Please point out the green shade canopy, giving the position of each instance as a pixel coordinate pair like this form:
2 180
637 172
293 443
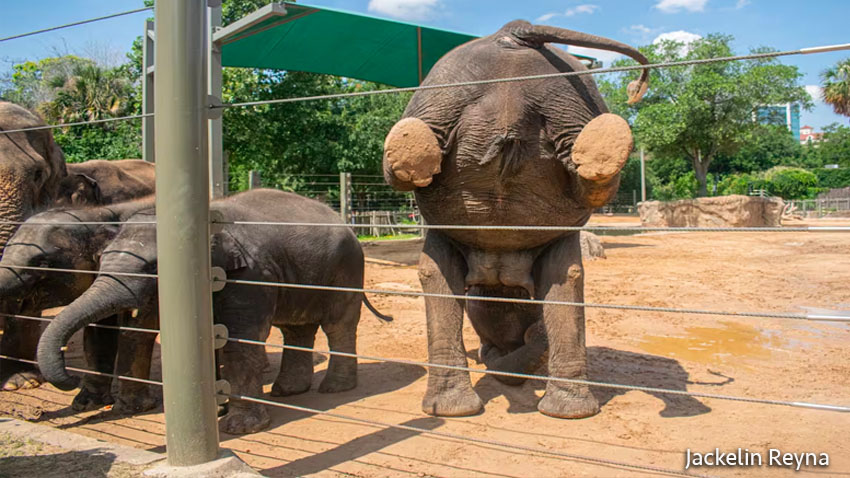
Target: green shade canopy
301 37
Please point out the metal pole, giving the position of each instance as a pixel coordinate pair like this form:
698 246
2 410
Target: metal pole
183 233
345 197
216 157
148 92
254 179
642 176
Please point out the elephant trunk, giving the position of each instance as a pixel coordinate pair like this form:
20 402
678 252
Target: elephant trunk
599 153
14 207
106 296
11 285
537 35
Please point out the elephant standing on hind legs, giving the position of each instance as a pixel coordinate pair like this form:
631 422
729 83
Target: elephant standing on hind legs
544 152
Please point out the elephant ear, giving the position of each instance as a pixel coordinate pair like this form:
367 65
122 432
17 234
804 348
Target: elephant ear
79 190
227 252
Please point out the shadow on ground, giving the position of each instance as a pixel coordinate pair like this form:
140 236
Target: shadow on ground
616 367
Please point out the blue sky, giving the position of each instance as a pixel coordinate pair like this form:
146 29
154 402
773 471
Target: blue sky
779 24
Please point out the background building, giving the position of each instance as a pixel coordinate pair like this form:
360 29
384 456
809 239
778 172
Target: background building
787 114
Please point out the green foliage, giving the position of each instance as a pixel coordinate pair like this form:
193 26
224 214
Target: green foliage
762 147
695 113
833 178
791 183
836 87
119 140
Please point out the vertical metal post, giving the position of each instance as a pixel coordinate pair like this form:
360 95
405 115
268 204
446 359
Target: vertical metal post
216 157
345 197
148 92
254 179
183 233
642 176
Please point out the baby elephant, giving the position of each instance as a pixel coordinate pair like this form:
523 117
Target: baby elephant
290 254
63 239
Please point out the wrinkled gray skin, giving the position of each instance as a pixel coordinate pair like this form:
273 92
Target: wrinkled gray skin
505 157
44 241
307 255
34 178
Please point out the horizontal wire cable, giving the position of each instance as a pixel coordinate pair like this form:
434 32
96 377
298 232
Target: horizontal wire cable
68 25
94 325
69 223
81 271
78 123
551 228
618 386
89 372
642 308
753 56
462 438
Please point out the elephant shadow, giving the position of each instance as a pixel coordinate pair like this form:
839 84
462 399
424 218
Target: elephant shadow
372 379
616 367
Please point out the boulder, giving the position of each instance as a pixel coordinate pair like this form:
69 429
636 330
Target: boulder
591 246
721 211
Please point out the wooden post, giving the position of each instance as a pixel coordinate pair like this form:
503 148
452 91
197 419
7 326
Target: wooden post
254 179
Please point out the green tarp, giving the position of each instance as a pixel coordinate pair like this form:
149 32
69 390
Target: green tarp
322 40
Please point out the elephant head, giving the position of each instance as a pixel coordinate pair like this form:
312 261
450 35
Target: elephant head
132 250
532 151
31 167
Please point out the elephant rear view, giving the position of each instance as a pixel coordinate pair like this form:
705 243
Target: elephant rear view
325 256
541 152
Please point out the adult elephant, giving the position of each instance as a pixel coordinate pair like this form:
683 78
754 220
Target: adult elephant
33 178
543 152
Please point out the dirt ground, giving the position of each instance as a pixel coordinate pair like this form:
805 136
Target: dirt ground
747 357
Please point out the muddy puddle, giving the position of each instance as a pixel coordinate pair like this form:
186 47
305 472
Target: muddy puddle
716 345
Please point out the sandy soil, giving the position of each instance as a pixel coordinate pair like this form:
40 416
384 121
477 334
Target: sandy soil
747 357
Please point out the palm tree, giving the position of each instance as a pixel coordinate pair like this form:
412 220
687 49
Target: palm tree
89 93
836 87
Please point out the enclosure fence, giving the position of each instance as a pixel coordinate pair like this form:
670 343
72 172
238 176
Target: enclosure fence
187 280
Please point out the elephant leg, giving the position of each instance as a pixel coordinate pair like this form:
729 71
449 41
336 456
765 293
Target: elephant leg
242 367
442 270
559 276
342 337
247 312
100 346
20 340
526 359
134 360
296 367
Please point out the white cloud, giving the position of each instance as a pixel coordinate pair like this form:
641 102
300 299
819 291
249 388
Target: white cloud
405 9
675 6
585 8
603 55
815 92
642 29
545 17
681 36
742 3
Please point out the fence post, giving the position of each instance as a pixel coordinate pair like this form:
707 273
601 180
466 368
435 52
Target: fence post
254 179
345 197
147 92
183 233
642 176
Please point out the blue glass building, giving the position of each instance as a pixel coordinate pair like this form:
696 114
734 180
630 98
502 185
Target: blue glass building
787 114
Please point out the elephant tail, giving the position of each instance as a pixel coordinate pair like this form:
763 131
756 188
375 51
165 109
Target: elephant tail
372 309
536 35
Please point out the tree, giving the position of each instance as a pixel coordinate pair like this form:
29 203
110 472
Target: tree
699 112
836 87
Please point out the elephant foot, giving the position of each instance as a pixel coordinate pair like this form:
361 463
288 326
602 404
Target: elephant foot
87 400
454 402
412 154
572 402
135 403
338 383
244 419
23 381
283 388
